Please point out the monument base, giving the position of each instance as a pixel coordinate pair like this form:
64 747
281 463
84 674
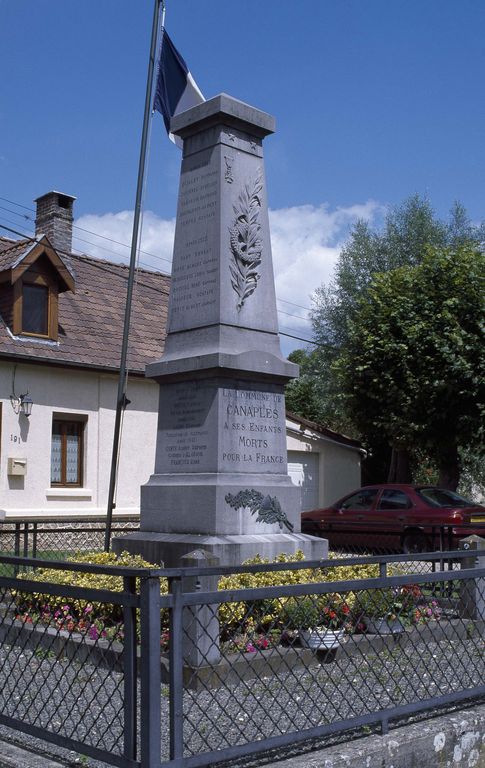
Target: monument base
167 549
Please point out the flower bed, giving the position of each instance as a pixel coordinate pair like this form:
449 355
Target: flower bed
236 664
247 627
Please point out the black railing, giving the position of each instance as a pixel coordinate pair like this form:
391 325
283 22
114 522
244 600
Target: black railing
371 537
190 667
56 540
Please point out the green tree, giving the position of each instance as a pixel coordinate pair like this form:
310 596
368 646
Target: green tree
413 366
301 395
407 231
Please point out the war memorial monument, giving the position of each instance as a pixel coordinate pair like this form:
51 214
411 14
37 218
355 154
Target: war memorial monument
220 481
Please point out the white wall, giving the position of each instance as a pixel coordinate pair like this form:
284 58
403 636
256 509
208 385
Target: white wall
341 471
339 466
78 392
93 395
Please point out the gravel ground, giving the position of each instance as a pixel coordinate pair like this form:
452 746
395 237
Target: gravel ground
85 702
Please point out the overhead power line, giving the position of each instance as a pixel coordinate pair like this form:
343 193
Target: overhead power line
118 242
95 262
159 290
19 205
88 231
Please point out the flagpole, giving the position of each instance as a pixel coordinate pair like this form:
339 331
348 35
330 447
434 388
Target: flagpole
121 396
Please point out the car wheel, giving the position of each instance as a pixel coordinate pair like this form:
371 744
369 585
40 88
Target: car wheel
415 542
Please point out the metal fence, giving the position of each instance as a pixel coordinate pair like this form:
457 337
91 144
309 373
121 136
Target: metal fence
190 667
368 537
56 540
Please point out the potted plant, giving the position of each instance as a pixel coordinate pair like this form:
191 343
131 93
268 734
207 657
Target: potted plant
298 617
319 621
334 618
383 611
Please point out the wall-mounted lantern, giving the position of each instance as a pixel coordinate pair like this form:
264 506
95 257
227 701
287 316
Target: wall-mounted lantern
22 404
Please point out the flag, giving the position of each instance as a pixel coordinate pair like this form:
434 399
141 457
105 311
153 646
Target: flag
176 89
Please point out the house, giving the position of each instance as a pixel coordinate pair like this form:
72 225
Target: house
61 325
325 464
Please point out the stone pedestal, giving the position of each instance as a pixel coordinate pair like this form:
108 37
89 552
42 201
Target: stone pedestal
200 622
220 481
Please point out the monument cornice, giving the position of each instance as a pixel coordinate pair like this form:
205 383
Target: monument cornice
225 110
246 365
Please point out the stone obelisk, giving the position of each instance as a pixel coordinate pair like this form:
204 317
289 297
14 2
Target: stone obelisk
220 481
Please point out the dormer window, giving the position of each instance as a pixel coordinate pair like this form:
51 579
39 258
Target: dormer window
32 277
35 306
35 309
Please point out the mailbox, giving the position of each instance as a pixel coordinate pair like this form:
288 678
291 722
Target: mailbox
17 466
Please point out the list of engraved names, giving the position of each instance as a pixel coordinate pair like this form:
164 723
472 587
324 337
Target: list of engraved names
185 439
194 273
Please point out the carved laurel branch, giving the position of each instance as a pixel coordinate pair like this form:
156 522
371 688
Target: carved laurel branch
267 508
246 245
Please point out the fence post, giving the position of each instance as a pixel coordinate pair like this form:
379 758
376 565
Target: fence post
26 539
472 591
34 539
129 672
16 547
201 622
176 663
150 731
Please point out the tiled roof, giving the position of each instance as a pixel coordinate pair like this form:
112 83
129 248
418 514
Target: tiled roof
330 433
12 252
91 319
6 242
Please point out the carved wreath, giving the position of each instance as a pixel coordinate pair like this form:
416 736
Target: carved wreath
267 508
246 245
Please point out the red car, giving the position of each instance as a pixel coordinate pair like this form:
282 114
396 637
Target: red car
410 518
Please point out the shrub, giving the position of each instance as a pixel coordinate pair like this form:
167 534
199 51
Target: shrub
301 613
247 620
271 614
406 603
77 615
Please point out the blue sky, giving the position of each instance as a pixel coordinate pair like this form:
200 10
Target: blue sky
373 100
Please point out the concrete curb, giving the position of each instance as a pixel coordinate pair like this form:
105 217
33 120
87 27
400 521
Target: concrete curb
450 741
12 756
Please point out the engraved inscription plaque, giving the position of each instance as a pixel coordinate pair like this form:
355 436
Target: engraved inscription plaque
184 443
253 433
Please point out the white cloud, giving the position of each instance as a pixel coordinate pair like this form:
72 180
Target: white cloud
109 237
306 241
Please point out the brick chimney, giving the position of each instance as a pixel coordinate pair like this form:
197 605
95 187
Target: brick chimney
54 218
